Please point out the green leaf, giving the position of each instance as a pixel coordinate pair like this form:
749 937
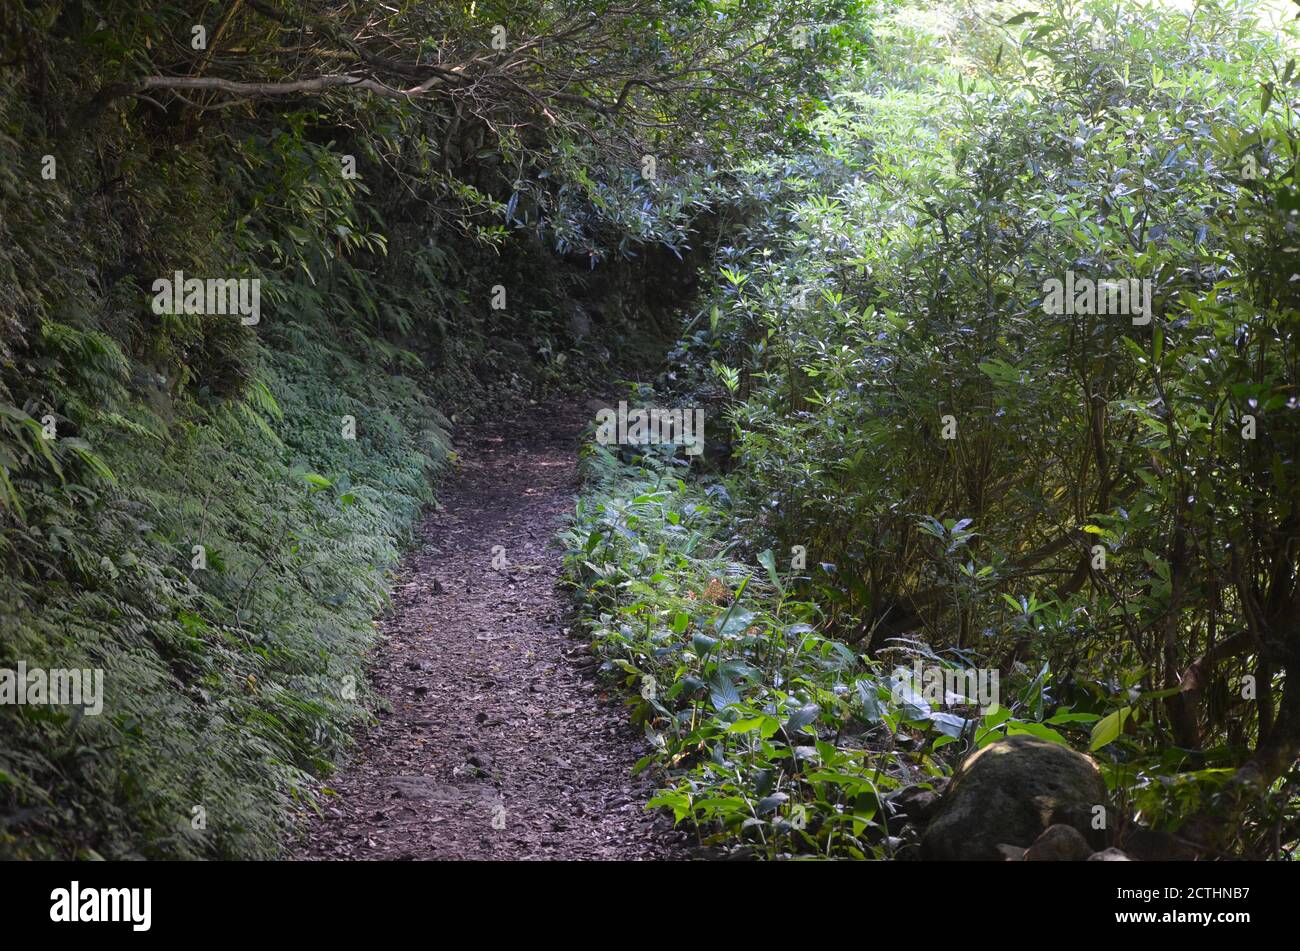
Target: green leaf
869 697
1016 727
702 644
948 723
722 692
679 802
1108 729
732 624
802 717
768 560
770 803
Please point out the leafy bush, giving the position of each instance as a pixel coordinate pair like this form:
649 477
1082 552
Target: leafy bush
767 731
1099 504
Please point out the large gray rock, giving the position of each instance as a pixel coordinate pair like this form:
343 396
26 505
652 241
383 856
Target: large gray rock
1009 793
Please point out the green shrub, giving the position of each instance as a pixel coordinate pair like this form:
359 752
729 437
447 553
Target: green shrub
1093 504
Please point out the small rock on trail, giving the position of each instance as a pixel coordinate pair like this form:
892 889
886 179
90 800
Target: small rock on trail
499 743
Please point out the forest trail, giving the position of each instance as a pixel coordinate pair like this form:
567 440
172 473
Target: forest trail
499 743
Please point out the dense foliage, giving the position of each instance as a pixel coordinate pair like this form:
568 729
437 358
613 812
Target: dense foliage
918 449
1100 506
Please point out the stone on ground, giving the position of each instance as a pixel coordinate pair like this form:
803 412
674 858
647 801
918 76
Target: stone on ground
1009 793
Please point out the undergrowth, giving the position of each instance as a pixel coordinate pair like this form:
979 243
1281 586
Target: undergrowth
224 578
769 735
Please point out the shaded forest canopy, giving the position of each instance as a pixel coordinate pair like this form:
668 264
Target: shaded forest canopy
841 221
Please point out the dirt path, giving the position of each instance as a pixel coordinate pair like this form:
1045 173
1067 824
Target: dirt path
499 744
